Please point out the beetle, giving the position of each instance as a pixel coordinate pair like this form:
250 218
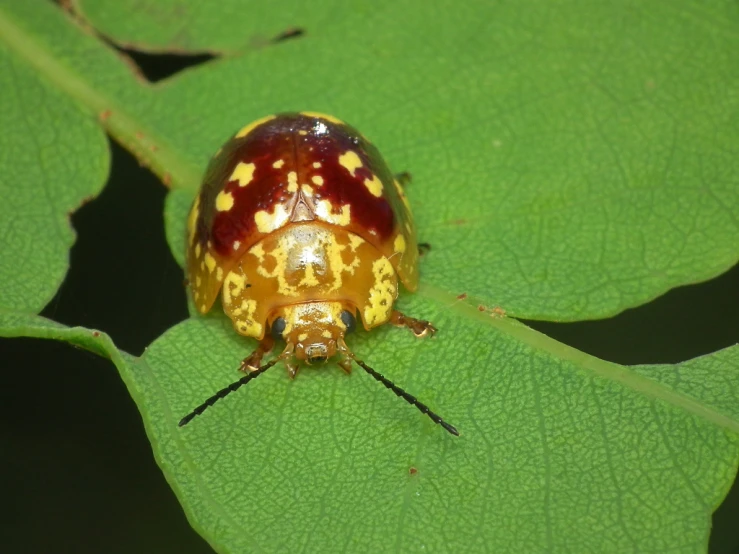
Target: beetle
301 226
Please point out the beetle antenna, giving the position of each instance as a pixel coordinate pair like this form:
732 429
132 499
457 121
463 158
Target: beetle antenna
223 393
423 408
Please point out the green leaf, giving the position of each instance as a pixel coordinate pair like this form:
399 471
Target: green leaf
174 25
559 450
554 151
569 162
54 157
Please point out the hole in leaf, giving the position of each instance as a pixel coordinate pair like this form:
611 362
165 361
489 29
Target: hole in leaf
156 67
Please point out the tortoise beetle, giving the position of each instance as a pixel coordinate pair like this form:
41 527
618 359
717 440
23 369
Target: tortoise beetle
302 226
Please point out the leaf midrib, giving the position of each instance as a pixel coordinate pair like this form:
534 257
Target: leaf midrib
151 149
607 370
168 165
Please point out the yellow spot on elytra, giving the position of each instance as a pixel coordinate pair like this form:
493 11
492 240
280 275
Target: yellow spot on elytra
253 125
350 161
224 201
330 118
302 132
236 244
374 185
278 268
355 242
192 219
307 190
302 336
267 222
316 164
246 324
210 262
317 180
233 287
198 280
243 173
337 264
278 164
258 251
219 273
324 210
292 182
202 266
197 250
196 295
399 244
326 334
203 308
382 294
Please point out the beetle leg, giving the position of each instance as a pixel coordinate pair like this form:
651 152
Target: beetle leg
254 360
292 367
346 364
420 327
403 178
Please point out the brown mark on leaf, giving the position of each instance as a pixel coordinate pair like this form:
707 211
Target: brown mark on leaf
105 115
167 179
495 312
462 296
412 471
291 32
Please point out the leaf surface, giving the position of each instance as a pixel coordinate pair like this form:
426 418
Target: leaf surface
569 162
53 157
559 451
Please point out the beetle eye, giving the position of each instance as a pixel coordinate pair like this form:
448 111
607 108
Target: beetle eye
278 327
349 320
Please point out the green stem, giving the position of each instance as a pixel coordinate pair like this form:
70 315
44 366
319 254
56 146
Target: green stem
152 150
590 364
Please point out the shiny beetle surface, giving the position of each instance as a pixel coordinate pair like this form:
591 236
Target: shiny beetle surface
303 227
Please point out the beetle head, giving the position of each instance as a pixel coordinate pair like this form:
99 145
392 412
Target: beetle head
313 331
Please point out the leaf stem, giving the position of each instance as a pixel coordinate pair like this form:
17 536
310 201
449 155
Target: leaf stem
600 368
152 151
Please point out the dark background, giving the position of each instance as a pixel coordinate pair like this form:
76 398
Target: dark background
76 469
